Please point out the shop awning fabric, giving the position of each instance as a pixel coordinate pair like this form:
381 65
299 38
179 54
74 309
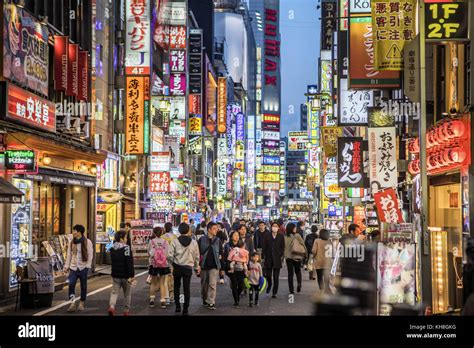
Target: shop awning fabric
9 193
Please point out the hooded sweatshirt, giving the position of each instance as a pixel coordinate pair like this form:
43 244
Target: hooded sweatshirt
122 261
184 251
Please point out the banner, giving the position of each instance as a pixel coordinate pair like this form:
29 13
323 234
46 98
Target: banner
362 71
382 158
25 49
135 115
137 37
388 209
60 62
411 74
42 271
350 166
83 75
328 23
221 105
72 83
394 25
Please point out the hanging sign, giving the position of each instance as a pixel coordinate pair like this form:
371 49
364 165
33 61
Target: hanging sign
382 158
135 115
160 182
222 105
137 37
388 209
350 167
60 62
354 105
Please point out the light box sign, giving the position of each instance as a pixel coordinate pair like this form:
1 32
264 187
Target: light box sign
20 161
160 162
177 61
178 129
326 76
269 135
354 105
135 115
360 6
222 105
297 141
240 129
382 158
137 37
222 167
30 109
178 84
446 21
350 166
160 182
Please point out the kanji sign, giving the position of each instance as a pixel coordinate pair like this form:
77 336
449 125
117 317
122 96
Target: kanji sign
354 105
350 166
195 124
178 84
329 139
137 37
393 22
328 23
446 21
135 115
388 209
222 167
160 182
222 105
382 158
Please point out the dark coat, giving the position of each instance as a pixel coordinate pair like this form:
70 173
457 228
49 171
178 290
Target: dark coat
309 242
273 250
259 238
249 243
122 261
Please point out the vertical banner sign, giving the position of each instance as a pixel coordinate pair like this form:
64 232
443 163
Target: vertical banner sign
177 61
60 62
329 136
178 84
240 137
350 168
137 37
362 71
313 125
446 21
382 158
222 105
393 22
388 209
282 168
326 76
135 115
83 73
411 75
354 105
73 57
221 167
160 182
195 61
344 15
329 23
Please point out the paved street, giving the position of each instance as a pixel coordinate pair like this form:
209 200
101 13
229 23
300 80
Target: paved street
99 291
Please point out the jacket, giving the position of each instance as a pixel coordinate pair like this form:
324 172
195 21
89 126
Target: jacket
255 272
288 241
259 238
183 251
249 243
273 250
309 242
122 261
154 244
215 246
76 262
319 250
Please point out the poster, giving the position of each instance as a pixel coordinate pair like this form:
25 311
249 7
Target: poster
172 146
297 141
178 108
350 167
25 49
396 273
140 238
388 209
382 158
397 232
393 22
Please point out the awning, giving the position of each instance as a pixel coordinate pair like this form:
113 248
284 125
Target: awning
9 193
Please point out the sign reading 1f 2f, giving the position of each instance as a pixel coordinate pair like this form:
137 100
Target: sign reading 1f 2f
446 21
360 6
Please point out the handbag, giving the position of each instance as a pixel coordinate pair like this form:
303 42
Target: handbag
297 249
310 263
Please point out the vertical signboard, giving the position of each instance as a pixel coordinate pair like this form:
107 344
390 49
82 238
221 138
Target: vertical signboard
350 168
221 167
73 57
137 37
382 158
282 168
328 23
60 62
354 105
135 115
221 105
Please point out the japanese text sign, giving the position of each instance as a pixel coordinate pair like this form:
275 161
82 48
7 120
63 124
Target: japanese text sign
388 209
350 166
382 158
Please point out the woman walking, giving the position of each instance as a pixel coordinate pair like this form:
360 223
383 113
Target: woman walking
159 268
273 251
236 258
321 262
295 252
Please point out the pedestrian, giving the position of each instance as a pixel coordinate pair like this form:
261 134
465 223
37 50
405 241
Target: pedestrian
281 225
123 272
183 255
159 268
169 236
78 263
295 252
235 225
354 235
192 226
299 228
226 224
309 242
246 238
254 275
375 236
126 226
238 266
211 250
222 235
273 252
259 236
201 230
321 259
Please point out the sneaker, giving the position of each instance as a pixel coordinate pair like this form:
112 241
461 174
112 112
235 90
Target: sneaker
152 303
212 307
204 303
221 281
250 304
274 296
256 303
236 304
111 311
163 304
178 309
298 289
81 306
72 308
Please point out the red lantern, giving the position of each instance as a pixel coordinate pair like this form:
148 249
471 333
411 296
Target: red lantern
457 128
458 155
414 167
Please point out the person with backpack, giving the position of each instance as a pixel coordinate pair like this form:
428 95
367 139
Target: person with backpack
158 266
123 272
211 250
183 255
308 242
295 252
273 251
169 236
78 264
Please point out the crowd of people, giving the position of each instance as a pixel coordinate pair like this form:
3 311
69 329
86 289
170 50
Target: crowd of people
250 254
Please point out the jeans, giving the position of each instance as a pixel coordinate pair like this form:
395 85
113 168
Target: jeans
73 277
180 272
209 285
159 282
237 284
293 267
253 290
170 285
276 276
323 279
117 284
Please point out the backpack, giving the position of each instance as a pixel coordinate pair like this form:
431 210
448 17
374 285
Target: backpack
159 257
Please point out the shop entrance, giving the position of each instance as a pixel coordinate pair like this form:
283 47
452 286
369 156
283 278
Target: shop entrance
445 202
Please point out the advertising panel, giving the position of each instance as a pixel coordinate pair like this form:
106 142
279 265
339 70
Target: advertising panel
137 37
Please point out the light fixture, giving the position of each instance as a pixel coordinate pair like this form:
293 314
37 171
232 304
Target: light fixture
83 167
21 4
46 160
302 167
93 169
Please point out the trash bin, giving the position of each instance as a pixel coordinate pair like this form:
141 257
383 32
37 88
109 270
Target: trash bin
39 294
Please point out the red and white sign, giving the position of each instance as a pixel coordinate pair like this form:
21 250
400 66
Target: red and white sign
31 109
177 37
83 73
137 37
61 59
160 182
388 209
72 83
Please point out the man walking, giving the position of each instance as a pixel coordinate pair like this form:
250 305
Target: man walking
211 250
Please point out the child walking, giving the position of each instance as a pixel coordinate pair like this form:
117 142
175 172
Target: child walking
254 274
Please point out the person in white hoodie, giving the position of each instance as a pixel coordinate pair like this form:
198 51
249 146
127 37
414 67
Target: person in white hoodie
78 263
183 255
